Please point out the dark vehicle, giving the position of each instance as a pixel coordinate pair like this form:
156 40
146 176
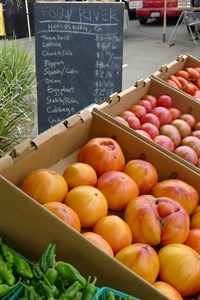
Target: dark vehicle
155 9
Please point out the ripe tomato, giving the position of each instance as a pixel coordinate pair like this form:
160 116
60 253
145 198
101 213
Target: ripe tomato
118 188
103 154
150 128
195 218
45 185
190 119
79 174
141 259
173 78
176 113
193 73
182 81
147 105
165 101
182 73
115 231
182 126
168 290
179 190
172 132
150 118
172 83
163 114
143 173
180 267
65 213
193 239
126 113
121 120
189 88
133 122
138 110
89 203
193 142
165 142
145 134
97 240
158 221
151 98
187 153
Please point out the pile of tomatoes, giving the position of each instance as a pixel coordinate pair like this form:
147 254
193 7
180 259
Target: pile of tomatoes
157 119
150 226
187 80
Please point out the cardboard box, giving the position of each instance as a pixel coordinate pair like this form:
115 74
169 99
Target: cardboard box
180 63
124 100
28 227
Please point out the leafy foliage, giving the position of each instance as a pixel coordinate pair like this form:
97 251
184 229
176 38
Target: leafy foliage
17 79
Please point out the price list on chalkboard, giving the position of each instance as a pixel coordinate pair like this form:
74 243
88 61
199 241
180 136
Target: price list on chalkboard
79 53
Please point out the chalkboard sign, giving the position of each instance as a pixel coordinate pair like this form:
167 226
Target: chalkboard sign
79 53
192 18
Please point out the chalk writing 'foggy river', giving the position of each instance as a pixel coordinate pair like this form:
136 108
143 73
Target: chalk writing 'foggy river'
84 15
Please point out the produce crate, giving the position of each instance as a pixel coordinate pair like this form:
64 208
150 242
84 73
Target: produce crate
103 293
124 100
13 294
180 63
29 227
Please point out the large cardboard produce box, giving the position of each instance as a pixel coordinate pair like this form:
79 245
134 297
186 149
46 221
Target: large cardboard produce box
28 227
124 100
180 63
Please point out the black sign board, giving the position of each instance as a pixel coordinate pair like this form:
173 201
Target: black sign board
79 53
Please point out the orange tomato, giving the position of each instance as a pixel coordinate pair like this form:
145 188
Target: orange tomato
118 188
180 267
193 239
65 213
45 185
115 231
168 290
80 174
178 190
173 78
103 154
89 203
142 259
195 218
193 73
143 173
97 240
183 74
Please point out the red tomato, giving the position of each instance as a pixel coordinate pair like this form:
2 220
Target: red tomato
133 122
176 113
151 98
183 74
164 141
103 154
150 128
187 153
147 105
173 78
189 88
193 73
143 133
150 118
138 110
172 83
163 114
121 120
190 119
165 101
